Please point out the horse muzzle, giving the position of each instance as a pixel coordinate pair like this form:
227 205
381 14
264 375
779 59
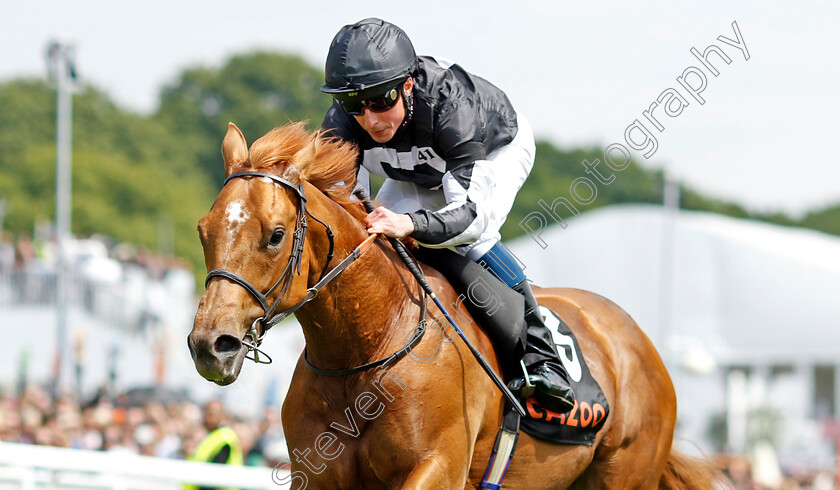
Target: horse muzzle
217 357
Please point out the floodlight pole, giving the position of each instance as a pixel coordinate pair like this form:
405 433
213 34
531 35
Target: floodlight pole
2 215
62 71
671 204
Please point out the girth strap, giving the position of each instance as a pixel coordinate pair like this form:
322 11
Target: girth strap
503 450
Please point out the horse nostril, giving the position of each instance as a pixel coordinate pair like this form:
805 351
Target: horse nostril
190 345
227 344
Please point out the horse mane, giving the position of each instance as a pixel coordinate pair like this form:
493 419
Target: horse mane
331 168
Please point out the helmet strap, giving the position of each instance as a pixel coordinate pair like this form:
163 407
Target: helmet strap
408 102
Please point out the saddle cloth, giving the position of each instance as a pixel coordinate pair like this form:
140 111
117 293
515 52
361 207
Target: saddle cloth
583 422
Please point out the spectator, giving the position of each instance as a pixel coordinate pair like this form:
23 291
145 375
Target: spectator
178 429
24 251
7 252
222 444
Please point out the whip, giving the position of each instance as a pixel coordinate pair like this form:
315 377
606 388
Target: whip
421 279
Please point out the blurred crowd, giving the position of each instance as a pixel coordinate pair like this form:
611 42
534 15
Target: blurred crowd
171 429
165 427
96 255
741 473
174 428
125 285
129 288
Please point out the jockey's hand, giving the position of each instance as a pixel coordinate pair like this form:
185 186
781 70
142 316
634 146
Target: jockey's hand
383 220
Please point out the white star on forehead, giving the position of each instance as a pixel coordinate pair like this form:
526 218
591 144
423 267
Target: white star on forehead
236 214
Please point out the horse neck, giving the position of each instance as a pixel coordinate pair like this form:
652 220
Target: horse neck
365 311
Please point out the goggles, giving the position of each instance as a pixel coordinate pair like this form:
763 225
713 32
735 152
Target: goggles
379 103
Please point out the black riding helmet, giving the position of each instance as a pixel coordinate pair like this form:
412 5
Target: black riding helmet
366 59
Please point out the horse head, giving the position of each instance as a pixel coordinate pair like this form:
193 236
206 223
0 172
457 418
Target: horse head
258 258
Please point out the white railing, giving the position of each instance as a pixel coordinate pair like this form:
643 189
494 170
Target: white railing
29 467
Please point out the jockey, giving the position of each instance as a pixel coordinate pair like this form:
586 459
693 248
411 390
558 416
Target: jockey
454 153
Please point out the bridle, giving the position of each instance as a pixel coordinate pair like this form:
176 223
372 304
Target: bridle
253 339
269 319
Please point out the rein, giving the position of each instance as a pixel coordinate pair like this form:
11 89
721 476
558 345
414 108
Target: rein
253 339
416 337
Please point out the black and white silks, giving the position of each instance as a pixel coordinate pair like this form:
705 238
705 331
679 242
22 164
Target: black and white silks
459 119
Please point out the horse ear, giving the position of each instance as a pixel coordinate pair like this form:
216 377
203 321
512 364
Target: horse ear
234 148
307 153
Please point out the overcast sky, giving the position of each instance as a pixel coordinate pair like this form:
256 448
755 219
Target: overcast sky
581 72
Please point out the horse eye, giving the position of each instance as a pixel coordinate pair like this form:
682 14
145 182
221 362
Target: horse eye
276 238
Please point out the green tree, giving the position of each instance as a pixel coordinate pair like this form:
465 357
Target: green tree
552 177
257 91
128 171
826 219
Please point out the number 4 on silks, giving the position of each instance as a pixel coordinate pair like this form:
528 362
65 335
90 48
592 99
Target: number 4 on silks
424 154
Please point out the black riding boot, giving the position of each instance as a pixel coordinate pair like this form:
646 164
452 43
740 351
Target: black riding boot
547 380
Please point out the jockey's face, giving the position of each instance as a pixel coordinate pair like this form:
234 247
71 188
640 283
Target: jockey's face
382 126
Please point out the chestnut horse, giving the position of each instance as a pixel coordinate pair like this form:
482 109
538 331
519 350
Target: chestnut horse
427 420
